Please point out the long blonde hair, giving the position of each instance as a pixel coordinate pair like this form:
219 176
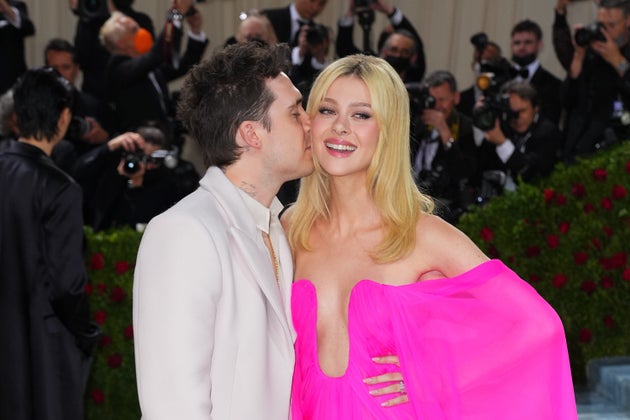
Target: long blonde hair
389 178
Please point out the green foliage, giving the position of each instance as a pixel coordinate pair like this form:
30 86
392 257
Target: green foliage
569 237
111 392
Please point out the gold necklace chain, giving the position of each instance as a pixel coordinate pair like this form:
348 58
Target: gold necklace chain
274 260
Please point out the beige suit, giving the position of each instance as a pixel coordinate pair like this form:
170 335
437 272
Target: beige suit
213 337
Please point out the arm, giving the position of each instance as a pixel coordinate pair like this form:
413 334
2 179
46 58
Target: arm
177 289
562 42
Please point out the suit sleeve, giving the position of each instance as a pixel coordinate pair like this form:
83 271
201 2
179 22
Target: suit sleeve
177 284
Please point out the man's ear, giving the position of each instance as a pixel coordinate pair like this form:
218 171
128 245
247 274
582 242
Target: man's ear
248 132
64 122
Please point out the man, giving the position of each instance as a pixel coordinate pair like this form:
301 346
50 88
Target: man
445 155
598 84
523 145
86 130
136 80
213 275
401 46
45 328
15 25
526 45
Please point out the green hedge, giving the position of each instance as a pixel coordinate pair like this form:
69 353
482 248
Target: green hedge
568 237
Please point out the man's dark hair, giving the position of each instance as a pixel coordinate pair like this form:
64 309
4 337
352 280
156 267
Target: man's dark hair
40 96
528 26
624 5
439 77
522 89
229 88
58 44
403 32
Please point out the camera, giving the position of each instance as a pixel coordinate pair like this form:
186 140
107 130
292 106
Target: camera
316 34
362 3
78 128
161 157
479 41
495 105
93 9
589 33
419 98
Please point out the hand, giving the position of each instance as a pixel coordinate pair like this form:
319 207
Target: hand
496 135
195 21
578 57
561 6
382 6
394 379
182 5
129 141
437 120
608 50
96 134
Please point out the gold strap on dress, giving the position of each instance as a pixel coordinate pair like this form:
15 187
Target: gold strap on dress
272 254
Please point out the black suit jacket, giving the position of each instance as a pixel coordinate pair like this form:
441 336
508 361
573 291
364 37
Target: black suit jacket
12 62
280 19
43 306
548 87
131 89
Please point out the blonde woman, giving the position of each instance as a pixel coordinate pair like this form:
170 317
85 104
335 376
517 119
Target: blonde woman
376 274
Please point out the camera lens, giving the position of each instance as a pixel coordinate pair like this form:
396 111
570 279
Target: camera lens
131 165
92 6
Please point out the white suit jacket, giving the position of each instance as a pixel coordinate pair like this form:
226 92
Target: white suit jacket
212 331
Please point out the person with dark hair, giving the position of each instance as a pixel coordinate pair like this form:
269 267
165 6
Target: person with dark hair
46 331
443 149
400 44
526 45
15 25
523 145
92 118
596 92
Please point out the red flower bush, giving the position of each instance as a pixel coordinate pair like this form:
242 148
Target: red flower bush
600 174
588 286
553 241
121 267
97 262
585 335
564 227
619 192
98 396
487 234
114 360
559 280
580 257
607 203
578 190
117 295
100 317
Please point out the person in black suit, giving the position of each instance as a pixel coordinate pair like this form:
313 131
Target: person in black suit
15 25
46 333
524 146
137 82
526 44
400 45
443 151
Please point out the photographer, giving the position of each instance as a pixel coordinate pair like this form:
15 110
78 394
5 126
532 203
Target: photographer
402 46
521 144
444 154
596 92
132 178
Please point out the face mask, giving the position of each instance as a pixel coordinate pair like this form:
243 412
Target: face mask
399 64
524 61
143 41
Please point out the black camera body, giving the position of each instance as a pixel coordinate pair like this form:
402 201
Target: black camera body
160 157
495 105
419 98
93 9
589 33
362 3
316 34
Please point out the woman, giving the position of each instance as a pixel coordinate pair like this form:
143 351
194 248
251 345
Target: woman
378 274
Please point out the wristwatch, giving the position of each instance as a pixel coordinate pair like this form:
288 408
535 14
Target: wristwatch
623 67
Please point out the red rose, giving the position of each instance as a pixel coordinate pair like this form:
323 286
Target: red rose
128 332
559 280
553 241
97 262
561 199
618 260
114 360
600 174
548 194
102 288
628 166
596 243
580 257
626 274
88 289
607 203
606 282
105 341
578 190
588 208
98 396
563 227
534 278
121 267
100 317
487 234
585 335
532 251
619 192
609 321
117 295
588 287
608 231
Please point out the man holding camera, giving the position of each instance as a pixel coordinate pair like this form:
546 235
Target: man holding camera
444 155
596 92
522 144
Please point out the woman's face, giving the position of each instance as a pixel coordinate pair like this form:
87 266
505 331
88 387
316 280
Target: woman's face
344 128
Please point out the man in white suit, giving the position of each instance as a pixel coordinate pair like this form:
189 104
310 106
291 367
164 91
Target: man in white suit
213 337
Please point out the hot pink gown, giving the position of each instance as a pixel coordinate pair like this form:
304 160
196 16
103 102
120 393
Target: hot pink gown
483 345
